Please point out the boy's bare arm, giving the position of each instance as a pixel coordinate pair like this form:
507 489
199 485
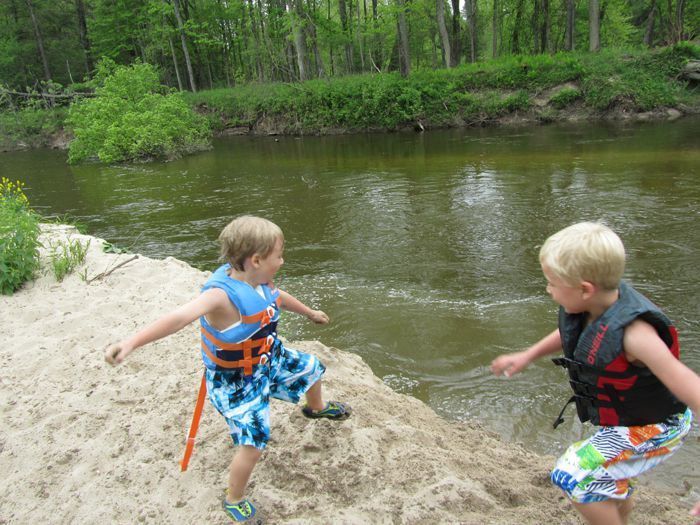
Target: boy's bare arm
642 343
509 364
167 325
290 303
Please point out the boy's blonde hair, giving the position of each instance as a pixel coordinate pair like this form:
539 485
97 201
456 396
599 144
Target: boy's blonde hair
245 236
587 251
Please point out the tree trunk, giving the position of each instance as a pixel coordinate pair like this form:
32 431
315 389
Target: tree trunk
39 40
342 11
296 12
456 33
404 50
183 41
291 58
444 37
313 36
264 42
494 30
358 36
377 44
472 14
83 35
534 27
210 77
680 20
593 25
330 45
515 38
651 19
544 27
226 48
177 67
570 24
256 38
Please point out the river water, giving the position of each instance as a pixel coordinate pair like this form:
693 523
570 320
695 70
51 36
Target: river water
423 247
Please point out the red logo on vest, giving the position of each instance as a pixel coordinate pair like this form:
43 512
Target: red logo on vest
596 344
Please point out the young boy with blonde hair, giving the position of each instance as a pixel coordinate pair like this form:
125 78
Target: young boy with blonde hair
245 362
622 357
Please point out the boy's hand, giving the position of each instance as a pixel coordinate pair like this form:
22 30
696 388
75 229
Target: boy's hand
510 364
319 317
695 511
116 353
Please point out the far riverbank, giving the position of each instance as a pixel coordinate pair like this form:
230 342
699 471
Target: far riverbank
521 90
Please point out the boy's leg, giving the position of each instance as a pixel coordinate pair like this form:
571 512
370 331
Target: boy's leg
596 473
242 465
314 397
625 507
316 408
601 512
294 373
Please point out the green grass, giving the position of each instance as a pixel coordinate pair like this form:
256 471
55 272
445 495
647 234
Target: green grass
32 127
66 256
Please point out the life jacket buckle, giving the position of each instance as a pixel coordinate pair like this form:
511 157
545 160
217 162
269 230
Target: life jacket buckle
267 316
267 345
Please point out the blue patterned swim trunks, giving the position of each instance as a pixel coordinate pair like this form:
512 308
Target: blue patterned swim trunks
245 401
603 466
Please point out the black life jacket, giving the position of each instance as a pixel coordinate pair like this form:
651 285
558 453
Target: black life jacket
608 389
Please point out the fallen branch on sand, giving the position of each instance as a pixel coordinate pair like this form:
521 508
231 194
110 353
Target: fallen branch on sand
107 272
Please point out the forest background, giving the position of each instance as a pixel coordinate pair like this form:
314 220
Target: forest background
205 44
241 57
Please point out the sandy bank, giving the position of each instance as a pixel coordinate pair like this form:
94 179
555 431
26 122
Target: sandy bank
81 442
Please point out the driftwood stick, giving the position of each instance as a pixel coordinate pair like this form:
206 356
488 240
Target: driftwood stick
106 273
46 95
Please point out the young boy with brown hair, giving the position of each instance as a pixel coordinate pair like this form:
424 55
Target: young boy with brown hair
245 362
622 356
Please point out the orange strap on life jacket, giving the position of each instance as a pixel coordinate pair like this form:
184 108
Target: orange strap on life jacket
264 316
247 346
194 426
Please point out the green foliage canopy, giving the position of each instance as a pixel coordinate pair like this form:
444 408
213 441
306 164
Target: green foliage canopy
239 41
134 117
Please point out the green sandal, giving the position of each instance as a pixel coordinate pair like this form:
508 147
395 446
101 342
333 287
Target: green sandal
243 511
333 410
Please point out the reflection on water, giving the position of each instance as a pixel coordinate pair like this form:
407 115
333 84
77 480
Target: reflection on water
422 248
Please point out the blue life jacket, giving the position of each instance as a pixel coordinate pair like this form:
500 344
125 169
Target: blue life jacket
608 389
248 342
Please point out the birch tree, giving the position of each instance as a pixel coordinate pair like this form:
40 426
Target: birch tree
442 28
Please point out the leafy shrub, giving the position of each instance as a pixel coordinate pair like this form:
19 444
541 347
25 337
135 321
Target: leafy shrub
19 233
134 117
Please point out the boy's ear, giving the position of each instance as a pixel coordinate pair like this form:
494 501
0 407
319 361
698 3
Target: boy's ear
255 260
588 289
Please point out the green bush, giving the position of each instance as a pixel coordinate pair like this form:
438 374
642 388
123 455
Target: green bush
19 234
134 117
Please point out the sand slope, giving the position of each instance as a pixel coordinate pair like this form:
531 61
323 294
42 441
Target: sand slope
82 442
